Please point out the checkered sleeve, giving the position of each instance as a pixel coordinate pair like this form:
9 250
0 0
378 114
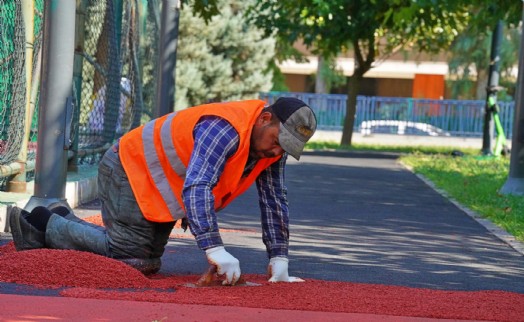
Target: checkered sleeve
274 208
215 141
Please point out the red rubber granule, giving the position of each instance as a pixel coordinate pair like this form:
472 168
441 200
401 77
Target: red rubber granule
327 296
7 248
86 275
96 219
58 268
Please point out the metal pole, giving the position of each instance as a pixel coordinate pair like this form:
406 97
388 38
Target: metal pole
493 82
515 182
55 102
165 94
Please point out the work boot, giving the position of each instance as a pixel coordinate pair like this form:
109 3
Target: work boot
25 236
59 209
146 266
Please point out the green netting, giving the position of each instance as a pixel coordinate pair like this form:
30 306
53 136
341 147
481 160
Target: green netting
14 146
114 84
117 83
12 81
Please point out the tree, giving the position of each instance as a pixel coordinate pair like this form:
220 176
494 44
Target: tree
472 48
485 14
225 59
371 29
205 9
470 59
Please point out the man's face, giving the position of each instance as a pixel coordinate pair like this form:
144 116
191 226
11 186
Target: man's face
264 138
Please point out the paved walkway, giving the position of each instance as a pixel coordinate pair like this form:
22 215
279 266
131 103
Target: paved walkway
355 217
362 217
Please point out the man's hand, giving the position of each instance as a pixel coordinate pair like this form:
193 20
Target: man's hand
226 264
278 271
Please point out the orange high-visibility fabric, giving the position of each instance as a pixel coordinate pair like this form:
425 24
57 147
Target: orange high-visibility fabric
241 115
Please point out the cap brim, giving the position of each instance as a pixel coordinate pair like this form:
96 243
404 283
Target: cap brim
292 145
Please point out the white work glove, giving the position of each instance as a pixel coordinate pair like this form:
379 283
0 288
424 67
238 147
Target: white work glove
277 269
225 263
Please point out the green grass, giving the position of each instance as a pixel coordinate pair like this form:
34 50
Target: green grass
471 180
384 148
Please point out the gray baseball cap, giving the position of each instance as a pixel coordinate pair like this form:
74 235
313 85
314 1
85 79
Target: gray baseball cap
297 124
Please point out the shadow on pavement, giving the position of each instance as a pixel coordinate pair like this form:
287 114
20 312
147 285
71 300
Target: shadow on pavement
364 218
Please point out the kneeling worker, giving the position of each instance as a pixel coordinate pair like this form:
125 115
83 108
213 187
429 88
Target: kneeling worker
186 166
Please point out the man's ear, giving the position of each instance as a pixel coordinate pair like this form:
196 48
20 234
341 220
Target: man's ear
264 118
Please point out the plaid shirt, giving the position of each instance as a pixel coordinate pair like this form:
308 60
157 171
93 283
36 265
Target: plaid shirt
215 141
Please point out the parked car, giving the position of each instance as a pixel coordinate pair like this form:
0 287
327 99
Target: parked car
400 128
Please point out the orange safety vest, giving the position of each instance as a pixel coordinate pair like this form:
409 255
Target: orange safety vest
155 157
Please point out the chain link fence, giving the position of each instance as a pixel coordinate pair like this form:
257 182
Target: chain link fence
114 87
12 81
18 99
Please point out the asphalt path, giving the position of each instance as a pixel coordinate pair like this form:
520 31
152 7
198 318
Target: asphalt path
363 217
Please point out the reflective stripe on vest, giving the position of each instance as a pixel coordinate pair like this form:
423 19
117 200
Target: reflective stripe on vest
155 168
169 147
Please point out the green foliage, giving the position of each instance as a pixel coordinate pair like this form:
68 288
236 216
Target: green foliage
279 82
375 29
424 25
204 9
332 26
485 14
371 29
322 145
225 59
470 60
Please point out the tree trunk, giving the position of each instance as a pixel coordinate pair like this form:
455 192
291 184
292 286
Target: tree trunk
320 83
351 108
364 58
482 83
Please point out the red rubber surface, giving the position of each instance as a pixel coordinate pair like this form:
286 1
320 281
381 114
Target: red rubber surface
38 308
87 275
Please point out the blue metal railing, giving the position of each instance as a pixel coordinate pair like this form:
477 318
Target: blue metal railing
463 118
